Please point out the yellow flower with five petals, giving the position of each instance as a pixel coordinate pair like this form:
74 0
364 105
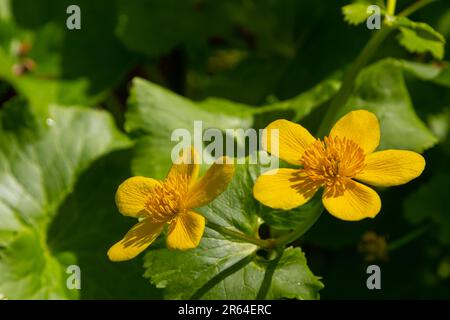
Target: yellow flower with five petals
334 164
171 201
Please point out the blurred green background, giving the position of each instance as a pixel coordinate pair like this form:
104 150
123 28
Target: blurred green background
252 52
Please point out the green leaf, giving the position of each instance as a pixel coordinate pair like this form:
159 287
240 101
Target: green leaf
248 81
444 77
190 24
154 113
421 70
57 204
381 88
304 103
176 22
205 36
440 124
420 37
226 268
425 30
415 43
68 65
356 13
437 73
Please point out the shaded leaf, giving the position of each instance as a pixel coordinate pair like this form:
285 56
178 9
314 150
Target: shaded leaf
305 215
430 203
155 113
66 67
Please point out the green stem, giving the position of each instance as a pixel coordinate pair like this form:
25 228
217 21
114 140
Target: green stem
297 233
391 7
363 58
268 275
347 85
407 238
267 244
414 7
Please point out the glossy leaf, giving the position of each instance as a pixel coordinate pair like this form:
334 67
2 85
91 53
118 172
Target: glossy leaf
223 267
381 88
420 37
155 113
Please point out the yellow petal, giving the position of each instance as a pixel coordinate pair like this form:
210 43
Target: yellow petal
212 184
361 126
284 188
135 241
186 166
356 203
132 195
293 139
391 167
185 231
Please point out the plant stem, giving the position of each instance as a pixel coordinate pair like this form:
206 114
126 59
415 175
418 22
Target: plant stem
268 275
363 58
414 7
347 86
391 7
267 244
407 238
297 233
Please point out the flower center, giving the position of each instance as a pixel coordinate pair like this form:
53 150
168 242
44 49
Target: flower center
167 198
332 163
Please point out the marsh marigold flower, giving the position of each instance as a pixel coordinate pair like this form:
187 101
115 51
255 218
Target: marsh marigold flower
169 202
335 164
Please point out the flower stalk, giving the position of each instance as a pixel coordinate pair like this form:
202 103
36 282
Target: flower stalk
408 238
262 243
297 233
391 7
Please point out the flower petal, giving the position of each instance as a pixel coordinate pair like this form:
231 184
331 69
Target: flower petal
361 126
356 203
212 184
284 188
187 165
293 139
391 167
185 231
140 236
132 194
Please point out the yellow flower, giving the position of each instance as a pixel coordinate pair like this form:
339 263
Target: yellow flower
157 203
334 163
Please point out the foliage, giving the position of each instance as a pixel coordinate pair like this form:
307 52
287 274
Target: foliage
82 110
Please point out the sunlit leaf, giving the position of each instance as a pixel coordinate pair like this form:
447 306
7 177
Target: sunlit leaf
154 113
57 205
356 13
420 37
